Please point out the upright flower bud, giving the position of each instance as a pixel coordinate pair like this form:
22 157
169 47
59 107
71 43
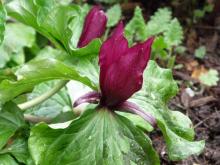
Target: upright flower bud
94 26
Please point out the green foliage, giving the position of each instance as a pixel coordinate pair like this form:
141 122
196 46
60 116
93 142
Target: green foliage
136 28
200 52
7 159
61 24
110 1
114 15
168 32
108 139
12 146
158 88
98 136
11 119
2 22
12 49
200 13
57 105
210 78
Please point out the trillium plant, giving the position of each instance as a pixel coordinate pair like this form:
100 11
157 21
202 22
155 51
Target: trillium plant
126 100
121 74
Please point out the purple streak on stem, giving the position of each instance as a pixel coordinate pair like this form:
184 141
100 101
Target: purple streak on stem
91 97
133 108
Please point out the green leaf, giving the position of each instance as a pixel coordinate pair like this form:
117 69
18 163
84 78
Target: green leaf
137 121
136 26
97 137
14 42
158 22
200 52
38 71
174 34
57 105
158 88
19 150
159 82
7 160
11 119
108 1
64 2
2 21
210 78
62 24
114 15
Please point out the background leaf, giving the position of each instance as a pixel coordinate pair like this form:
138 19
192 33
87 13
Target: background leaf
11 119
97 137
61 24
35 72
57 105
2 22
113 15
14 42
210 78
136 28
19 150
7 159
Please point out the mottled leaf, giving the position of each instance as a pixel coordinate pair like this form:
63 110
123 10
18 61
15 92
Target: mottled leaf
97 137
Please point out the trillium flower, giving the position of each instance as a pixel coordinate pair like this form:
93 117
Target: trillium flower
94 26
121 74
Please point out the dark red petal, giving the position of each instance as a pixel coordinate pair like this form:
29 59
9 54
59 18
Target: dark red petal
112 49
91 97
133 108
121 68
94 26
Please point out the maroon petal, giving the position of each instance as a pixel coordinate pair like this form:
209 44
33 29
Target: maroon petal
94 26
91 97
121 68
133 108
110 52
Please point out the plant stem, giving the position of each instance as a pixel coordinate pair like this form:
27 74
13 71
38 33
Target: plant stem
36 119
44 96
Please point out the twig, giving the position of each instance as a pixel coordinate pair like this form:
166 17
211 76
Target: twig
202 121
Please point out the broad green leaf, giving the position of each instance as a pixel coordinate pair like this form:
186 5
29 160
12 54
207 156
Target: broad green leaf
2 22
19 150
7 160
97 137
14 42
158 88
11 119
57 105
54 66
62 24
38 71
200 52
136 26
210 78
114 15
